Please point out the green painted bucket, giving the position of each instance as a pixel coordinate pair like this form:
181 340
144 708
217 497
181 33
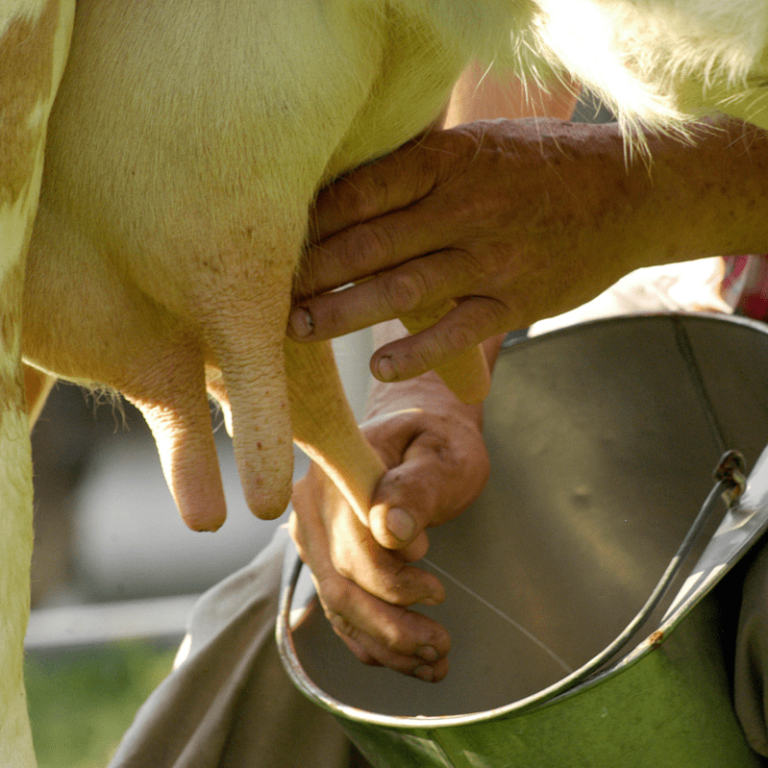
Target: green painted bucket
585 586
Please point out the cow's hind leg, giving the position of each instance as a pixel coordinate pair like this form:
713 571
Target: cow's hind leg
34 39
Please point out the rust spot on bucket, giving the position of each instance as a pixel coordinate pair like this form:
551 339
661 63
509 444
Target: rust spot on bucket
656 638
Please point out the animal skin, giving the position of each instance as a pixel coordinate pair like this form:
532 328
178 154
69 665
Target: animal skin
189 216
185 148
33 46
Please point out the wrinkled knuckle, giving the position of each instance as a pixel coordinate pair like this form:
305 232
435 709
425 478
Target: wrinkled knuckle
459 336
353 201
393 588
334 593
395 638
496 312
403 291
375 241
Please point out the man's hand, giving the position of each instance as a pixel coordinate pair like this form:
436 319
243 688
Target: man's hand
437 466
479 214
517 221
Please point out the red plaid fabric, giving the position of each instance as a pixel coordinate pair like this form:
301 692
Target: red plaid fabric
745 285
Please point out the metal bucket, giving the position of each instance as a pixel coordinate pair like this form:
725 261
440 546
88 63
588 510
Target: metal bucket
603 438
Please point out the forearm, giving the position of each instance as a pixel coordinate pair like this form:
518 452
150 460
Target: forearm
709 197
584 194
483 95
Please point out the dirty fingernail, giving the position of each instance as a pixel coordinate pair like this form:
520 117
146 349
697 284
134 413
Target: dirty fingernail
386 371
301 322
400 524
428 653
425 673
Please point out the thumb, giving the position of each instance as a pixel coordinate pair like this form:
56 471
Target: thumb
436 480
405 503
396 527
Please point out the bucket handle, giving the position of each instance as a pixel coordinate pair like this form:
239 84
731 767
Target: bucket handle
730 476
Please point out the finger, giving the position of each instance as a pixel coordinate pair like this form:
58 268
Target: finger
370 652
173 401
405 497
377 570
428 673
355 613
374 630
435 482
408 499
467 325
368 248
467 375
414 551
350 550
372 190
417 285
395 637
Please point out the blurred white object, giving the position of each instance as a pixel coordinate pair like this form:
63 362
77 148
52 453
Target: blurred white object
162 618
129 540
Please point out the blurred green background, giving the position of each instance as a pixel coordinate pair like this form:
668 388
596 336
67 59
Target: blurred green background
82 701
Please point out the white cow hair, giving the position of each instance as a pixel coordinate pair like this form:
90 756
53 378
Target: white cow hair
657 63
13 10
662 62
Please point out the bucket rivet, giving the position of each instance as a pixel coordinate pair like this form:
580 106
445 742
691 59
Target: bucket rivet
732 472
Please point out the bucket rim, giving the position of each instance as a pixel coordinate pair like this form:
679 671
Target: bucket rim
742 525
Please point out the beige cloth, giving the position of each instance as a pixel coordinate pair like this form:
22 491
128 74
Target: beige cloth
230 704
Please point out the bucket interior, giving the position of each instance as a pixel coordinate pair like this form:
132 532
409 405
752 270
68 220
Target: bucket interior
603 439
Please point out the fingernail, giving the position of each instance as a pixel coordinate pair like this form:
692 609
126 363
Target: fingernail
385 369
429 601
301 322
425 673
428 653
400 524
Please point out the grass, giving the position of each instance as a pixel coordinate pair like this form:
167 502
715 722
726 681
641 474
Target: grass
81 702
